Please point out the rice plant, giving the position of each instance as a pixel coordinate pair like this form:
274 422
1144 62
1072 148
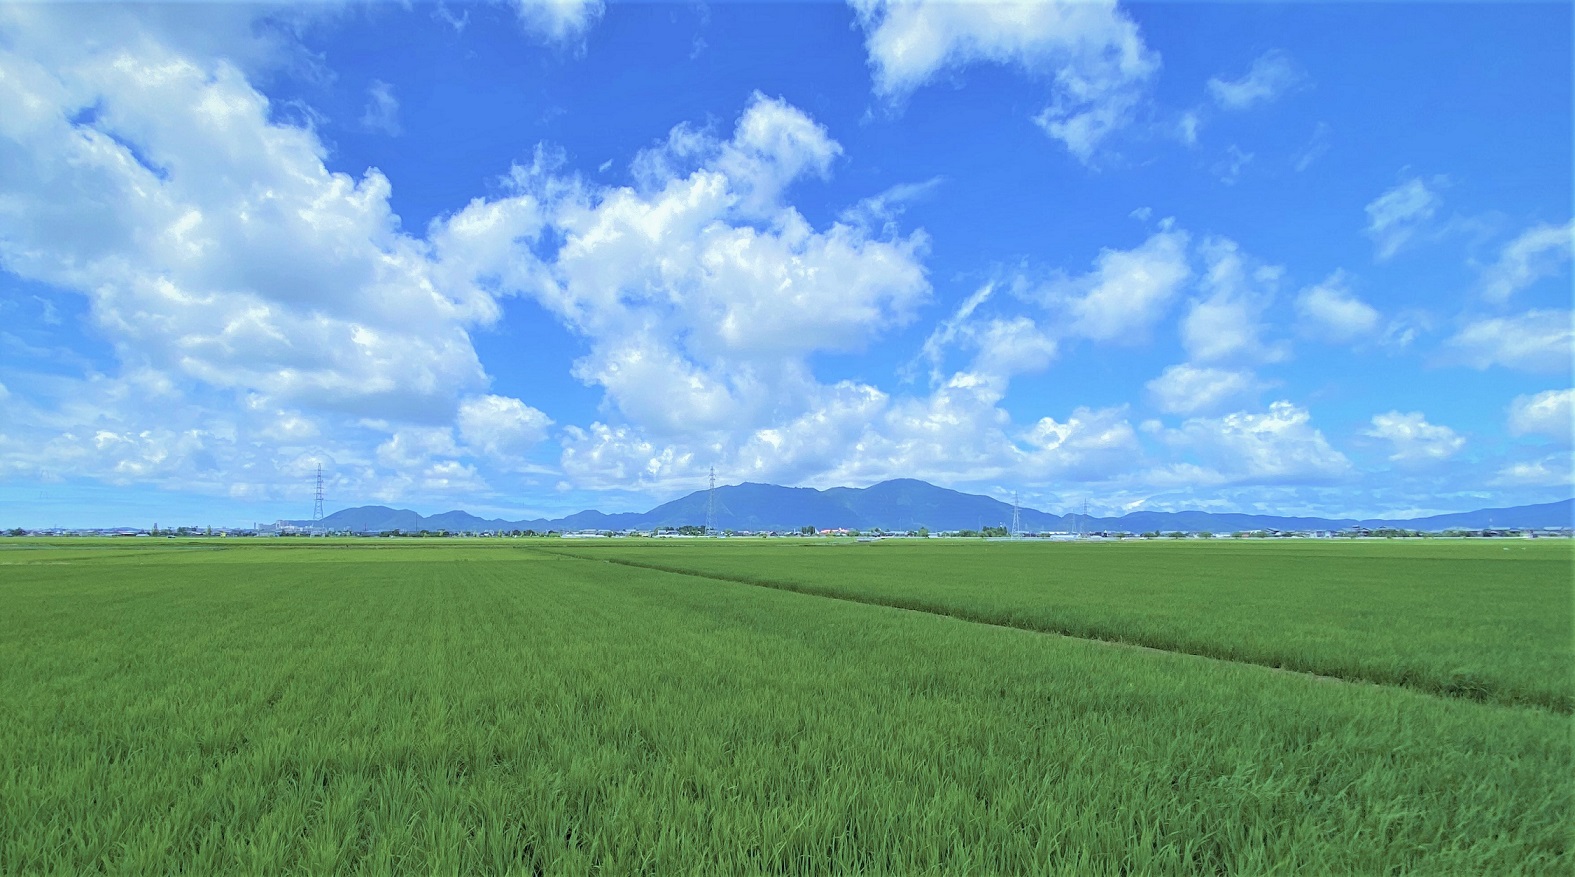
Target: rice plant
484 709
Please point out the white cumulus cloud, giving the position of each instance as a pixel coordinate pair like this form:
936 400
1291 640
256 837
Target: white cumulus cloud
501 426
1193 389
1226 324
1090 445
1091 52
1413 440
1276 446
702 294
1554 470
1011 347
1540 341
1550 413
1331 312
212 241
696 315
415 447
1127 292
266 313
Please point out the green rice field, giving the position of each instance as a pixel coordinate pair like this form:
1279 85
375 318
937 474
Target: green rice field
751 707
1484 619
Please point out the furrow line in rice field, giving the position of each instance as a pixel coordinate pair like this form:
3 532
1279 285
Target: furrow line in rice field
962 614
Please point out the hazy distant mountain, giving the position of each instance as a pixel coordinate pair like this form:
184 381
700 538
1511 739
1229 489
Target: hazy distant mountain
907 504
371 519
1548 514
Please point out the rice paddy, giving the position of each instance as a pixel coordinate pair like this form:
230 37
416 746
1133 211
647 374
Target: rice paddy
527 707
1484 619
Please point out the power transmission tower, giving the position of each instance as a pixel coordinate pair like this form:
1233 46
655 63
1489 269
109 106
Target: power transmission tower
1083 521
710 506
1017 516
317 504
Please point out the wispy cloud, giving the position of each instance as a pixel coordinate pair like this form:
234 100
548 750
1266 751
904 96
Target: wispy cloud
560 21
1229 168
880 212
1272 75
1317 146
382 109
1539 252
1536 341
1397 216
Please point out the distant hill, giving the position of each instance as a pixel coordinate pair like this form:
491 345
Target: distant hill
908 504
1548 514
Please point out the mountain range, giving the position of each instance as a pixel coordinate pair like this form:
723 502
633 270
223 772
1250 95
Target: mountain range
906 504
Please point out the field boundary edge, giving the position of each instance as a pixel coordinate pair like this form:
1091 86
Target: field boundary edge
1472 695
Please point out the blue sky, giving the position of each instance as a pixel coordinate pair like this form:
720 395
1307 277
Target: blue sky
531 258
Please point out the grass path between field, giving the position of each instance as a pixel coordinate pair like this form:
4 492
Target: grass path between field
960 614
